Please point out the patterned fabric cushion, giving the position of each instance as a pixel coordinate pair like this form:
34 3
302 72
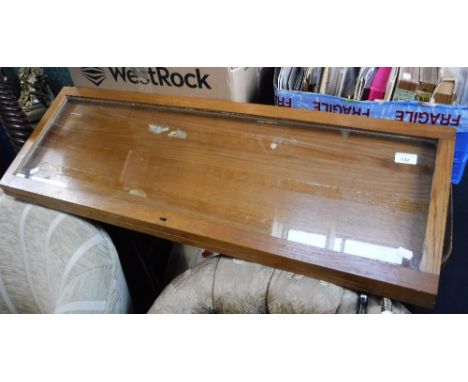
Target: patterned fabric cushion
51 262
225 285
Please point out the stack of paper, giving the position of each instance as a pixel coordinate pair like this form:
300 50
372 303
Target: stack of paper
313 79
291 78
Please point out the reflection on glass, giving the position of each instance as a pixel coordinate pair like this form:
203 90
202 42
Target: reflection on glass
374 251
338 244
315 239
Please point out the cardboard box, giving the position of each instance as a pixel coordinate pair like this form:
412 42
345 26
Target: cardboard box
234 84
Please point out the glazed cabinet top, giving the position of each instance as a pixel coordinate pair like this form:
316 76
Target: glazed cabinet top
350 200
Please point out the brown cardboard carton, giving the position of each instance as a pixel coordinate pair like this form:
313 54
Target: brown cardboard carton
234 84
444 92
406 84
428 79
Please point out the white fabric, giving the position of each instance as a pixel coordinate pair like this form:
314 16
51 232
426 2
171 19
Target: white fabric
82 306
96 239
6 297
26 255
54 262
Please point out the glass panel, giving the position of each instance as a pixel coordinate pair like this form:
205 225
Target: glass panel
354 192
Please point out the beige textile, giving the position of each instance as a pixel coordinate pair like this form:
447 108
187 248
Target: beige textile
225 285
51 262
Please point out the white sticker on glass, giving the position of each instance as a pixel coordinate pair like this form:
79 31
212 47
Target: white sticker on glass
406 158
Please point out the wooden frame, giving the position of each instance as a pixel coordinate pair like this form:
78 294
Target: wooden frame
416 286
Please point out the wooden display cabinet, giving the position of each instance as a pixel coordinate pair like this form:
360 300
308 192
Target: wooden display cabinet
355 201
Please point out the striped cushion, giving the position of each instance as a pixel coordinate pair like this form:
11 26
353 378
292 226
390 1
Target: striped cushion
51 262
